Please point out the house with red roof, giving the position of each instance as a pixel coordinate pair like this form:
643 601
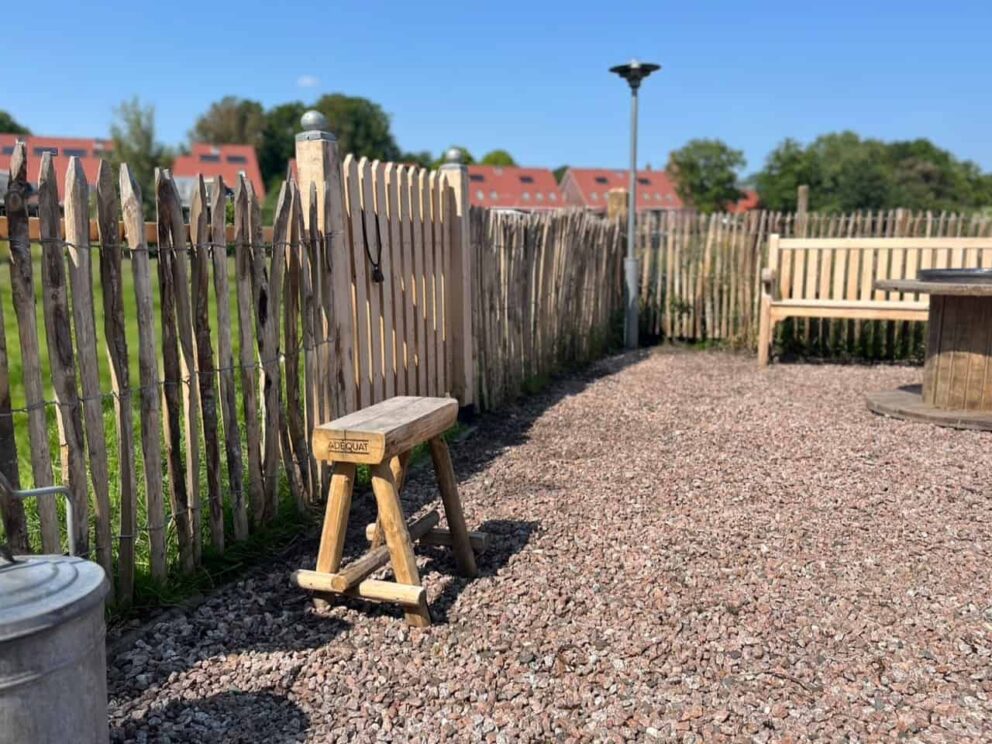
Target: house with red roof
746 203
226 161
510 187
89 151
587 187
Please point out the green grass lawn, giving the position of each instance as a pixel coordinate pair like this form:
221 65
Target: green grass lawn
145 589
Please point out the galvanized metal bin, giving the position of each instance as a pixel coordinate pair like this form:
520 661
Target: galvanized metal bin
53 669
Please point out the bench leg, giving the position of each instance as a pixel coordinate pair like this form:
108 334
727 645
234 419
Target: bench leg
398 465
464 555
765 328
397 537
336 518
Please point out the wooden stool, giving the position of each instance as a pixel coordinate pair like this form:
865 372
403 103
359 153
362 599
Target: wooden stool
382 436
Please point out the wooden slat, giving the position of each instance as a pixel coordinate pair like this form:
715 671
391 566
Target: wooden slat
173 379
77 205
244 262
309 301
267 294
397 273
22 290
418 187
61 359
295 419
115 332
383 239
225 359
409 285
371 254
149 392
15 524
431 218
362 323
200 278
177 241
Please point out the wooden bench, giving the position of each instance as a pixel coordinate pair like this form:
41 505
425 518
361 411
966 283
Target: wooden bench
382 437
835 277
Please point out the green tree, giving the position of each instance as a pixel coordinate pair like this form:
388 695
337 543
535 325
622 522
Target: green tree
361 126
706 173
423 158
231 121
133 135
787 167
498 157
560 172
278 146
9 125
845 172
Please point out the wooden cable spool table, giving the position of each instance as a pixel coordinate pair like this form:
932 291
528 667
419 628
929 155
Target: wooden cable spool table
382 436
957 373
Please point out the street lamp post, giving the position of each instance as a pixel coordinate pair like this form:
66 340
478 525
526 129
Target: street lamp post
633 72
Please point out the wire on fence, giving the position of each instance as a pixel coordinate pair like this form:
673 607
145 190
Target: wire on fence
194 374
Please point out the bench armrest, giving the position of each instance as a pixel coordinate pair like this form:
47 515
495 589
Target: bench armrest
768 281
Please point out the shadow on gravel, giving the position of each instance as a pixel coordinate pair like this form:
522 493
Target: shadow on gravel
495 432
226 717
506 537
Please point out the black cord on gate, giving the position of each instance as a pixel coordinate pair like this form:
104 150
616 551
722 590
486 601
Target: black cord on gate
376 262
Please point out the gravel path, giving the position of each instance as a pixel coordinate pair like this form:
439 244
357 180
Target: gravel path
684 548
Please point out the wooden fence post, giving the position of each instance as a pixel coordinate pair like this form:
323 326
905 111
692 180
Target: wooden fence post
459 292
616 204
319 171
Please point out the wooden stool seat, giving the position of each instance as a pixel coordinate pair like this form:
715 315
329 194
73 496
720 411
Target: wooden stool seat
378 432
382 436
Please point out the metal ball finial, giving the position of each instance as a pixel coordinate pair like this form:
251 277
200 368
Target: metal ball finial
314 121
453 156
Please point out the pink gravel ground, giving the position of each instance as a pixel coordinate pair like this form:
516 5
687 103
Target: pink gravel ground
685 548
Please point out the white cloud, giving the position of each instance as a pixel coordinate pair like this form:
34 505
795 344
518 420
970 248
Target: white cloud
307 81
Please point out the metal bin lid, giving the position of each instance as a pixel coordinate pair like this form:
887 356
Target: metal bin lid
38 592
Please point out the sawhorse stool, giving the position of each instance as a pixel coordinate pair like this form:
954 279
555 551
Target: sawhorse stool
382 437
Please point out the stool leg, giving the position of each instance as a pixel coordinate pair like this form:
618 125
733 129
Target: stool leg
397 537
336 518
464 555
398 465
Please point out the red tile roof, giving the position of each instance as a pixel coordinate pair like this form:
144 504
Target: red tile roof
506 187
226 161
746 203
587 187
88 151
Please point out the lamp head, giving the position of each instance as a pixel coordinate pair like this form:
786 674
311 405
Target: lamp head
634 72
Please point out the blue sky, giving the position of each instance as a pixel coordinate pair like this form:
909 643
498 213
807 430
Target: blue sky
530 77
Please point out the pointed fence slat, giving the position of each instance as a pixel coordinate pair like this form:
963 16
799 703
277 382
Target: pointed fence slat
22 290
244 262
15 525
200 279
176 244
115 333
61 358
150 411
267 291
77 235
173 382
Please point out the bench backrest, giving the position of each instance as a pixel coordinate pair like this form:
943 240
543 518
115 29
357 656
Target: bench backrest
845 269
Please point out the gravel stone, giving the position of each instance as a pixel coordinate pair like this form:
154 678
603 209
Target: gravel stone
684 547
